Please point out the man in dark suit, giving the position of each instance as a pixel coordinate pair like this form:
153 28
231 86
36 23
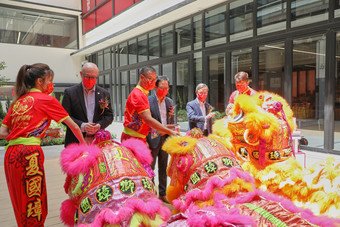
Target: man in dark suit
162 109
199 112
88 105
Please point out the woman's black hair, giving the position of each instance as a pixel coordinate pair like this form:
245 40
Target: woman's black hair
27 76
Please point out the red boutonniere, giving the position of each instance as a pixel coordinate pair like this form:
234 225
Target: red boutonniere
103 104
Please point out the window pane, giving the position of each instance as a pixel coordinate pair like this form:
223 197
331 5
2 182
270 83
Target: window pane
308 87
125 88
271 67
167 41
182 76
241 19
132 51
240 61
198 68
167 71
107 81
107 59
156 67
123 54
337 96
183 36
308 11
214 31
216 81
142 48
271 16
100 61
133 79
116 57
197 27
21 26
154 45
337 9
101 80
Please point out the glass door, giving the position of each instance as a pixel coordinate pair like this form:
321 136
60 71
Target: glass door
216 81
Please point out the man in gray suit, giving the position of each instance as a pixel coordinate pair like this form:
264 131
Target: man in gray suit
162 109
199 112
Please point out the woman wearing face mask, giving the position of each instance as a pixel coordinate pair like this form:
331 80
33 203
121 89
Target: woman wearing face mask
199 111
26 122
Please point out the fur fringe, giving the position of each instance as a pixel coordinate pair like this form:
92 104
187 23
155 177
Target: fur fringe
133 205
139 149
76 158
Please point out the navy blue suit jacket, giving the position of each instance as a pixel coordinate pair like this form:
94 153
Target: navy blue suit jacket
195 115
154 109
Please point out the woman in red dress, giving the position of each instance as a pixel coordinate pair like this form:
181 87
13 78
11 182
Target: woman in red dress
26 122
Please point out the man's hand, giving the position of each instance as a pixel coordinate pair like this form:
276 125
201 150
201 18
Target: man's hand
91 128
210 115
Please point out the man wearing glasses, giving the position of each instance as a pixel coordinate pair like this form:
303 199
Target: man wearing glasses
199 112
137 116
88 104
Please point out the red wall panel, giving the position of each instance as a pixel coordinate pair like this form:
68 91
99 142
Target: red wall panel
89 22
121 5
104 13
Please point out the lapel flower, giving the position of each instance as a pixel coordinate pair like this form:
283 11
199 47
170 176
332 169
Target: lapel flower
103 104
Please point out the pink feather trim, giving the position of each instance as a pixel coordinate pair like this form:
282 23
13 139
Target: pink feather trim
151 208
212 216
67 211
211 185
140 149
76 158
288 205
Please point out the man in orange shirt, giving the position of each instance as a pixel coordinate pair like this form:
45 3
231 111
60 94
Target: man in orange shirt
242 87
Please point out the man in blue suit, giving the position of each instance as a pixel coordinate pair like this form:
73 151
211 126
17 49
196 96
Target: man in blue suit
199 111
162 109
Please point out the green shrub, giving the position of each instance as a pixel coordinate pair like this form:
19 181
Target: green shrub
219 115
48 141
182 115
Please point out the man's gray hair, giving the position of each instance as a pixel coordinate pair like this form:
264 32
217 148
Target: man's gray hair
200 86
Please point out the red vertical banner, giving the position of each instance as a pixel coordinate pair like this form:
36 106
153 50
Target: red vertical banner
121 5
104 13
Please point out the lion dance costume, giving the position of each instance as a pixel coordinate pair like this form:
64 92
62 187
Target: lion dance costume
110 185
260 129
209 188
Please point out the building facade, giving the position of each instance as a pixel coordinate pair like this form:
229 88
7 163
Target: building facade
41 31
290 47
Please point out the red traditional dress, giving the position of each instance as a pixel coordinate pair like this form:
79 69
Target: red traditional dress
27 121
233 95
136 103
